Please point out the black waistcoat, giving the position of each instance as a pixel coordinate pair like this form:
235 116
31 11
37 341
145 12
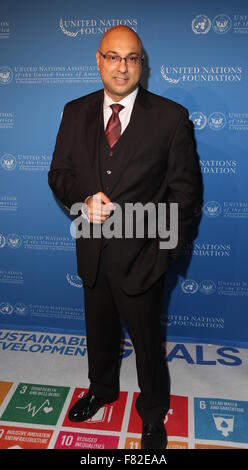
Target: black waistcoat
110 162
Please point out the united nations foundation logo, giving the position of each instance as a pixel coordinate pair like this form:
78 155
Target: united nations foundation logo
201 24
189 286
8 162
14 241
212 209
74 280
217 121
93 26
207 287
199 120
201 73
221 24
6 75
6 308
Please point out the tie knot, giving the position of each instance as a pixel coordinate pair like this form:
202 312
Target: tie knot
116 108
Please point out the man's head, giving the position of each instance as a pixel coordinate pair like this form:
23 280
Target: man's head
120 78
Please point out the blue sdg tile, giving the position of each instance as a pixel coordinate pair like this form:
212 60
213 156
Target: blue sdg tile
219 419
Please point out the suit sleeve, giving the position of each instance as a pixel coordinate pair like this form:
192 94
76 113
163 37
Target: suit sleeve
184 178
62 177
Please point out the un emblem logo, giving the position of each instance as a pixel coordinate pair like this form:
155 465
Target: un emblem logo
189 286
201 24
199 120
221 24
6 308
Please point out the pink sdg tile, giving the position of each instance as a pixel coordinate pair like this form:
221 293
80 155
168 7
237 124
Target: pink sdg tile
76 440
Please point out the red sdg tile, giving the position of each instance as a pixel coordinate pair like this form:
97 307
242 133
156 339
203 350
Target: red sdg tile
109 417
176 420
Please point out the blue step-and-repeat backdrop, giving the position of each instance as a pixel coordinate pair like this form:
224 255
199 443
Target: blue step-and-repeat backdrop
196 55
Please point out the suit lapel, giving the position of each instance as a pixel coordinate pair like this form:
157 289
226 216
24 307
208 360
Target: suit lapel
93 126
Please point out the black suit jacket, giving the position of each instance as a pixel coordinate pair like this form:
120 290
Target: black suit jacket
159 165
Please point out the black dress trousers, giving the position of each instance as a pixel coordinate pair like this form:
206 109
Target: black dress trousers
105 305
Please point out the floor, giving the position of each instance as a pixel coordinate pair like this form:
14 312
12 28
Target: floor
42 375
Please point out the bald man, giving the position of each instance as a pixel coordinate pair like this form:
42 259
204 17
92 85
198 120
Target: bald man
123 144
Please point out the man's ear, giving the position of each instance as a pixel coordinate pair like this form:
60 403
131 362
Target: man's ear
98 59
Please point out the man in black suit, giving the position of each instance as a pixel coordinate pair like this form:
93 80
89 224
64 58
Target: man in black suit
124 145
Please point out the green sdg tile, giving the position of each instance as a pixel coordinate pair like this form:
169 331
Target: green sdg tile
36 404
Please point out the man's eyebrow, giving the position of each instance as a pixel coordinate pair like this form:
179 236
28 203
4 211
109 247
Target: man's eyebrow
113 52
117 53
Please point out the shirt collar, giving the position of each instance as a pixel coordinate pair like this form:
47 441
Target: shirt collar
127 101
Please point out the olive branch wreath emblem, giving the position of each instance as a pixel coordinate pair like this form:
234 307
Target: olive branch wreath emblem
65 31
168 79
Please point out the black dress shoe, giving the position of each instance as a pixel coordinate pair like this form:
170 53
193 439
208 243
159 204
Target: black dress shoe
154 436
87 406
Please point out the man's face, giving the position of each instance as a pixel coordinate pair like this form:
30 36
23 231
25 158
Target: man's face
119 79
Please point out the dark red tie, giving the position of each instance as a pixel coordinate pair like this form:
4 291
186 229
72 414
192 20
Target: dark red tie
113 128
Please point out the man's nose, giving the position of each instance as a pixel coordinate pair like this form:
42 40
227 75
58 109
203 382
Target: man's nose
122 66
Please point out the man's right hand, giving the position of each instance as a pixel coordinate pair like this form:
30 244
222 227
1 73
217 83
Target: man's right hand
99 207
